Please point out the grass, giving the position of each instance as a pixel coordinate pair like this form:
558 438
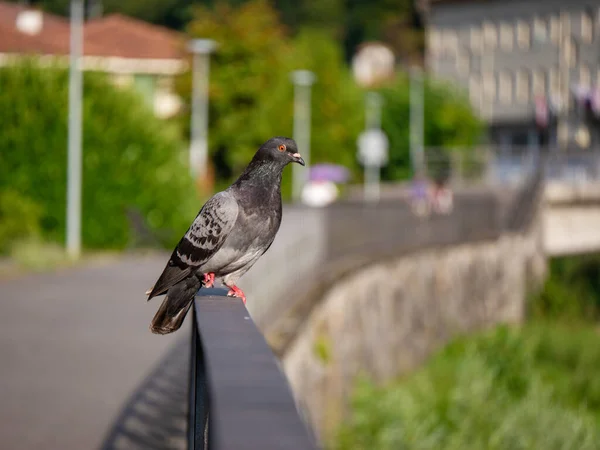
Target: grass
322 349
536 387
36 255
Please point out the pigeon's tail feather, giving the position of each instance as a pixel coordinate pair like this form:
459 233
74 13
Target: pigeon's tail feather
171 276
175 306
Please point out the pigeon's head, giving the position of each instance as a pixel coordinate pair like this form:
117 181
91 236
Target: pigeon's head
280 149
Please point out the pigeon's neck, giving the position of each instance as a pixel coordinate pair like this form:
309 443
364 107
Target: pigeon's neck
263 177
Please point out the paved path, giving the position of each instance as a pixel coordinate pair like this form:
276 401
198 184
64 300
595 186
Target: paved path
73 346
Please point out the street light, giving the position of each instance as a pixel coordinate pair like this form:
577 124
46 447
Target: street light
74 149
303 81
201 50
372 66
416 120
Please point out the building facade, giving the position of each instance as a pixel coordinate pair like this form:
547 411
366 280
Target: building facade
531 68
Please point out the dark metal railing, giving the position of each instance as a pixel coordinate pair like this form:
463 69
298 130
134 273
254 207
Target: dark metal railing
238 398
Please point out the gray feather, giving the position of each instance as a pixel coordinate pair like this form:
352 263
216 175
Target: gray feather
209 230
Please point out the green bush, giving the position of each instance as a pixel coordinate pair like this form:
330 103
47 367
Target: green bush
130 158
19 218
571 291
534 388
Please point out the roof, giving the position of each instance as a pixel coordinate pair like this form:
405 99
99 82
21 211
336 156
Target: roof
118 35
53 38
110 36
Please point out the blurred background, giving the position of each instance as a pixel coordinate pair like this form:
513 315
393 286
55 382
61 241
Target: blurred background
444 237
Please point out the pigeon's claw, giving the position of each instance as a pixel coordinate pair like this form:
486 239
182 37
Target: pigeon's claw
209 280
237 292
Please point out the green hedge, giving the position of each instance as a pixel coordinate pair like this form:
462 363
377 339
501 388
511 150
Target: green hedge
532 388
130 158
19 218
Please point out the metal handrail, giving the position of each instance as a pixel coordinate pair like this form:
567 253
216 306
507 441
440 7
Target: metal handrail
238 398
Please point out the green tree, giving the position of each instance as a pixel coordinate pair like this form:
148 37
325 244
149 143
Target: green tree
449 122
130 158
245 68
251 93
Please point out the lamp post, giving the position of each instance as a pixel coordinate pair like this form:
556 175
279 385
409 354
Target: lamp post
303 81
201 50
74 146
416 120
372 66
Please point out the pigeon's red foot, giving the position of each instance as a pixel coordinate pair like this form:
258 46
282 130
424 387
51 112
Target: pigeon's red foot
237 292
209 280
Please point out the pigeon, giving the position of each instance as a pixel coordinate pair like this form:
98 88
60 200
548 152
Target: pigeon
233 229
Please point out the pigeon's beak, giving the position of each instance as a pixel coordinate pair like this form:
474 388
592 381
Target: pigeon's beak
298 159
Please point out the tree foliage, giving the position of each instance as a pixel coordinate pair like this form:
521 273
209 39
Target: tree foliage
449 121
130 158
251 93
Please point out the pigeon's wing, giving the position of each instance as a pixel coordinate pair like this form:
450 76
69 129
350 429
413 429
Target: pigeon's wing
202 240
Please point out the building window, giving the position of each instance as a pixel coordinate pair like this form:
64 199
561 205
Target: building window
476 40
489 86
463 62
554 82
540 30
434 42
523 34
505 93
569 52
522 86
587 27
554 28
563 133
565 24
475 90
490 35
585 78
506 37
450 42
539 83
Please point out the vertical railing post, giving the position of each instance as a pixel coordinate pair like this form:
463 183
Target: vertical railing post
198 396
192 383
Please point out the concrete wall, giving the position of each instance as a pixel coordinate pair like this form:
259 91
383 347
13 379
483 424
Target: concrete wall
311 241
387 318
571 218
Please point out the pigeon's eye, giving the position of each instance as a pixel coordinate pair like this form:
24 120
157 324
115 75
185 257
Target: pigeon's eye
281 148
